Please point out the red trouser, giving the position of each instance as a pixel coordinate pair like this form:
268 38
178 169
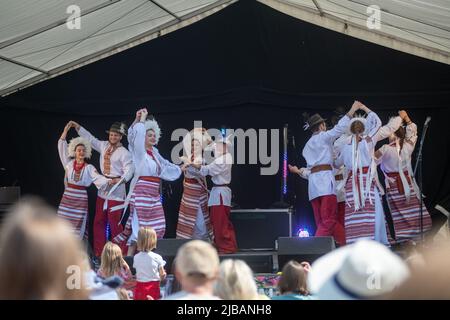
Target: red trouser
224 236
326 215
102 218
144 289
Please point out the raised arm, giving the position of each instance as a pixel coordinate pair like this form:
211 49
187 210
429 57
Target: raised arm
410 137
411 131
62 146
96 144
136 137
373 123
342 126
388 129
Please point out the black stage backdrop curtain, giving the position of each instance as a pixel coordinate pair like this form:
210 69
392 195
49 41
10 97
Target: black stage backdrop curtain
247 66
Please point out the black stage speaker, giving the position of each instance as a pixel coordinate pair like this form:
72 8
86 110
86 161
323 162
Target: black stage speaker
259 263
303 249
260 228
168 248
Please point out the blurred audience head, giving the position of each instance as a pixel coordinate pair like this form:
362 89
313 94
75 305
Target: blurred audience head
235 281
197 265
429 278
293 279
40 258
112 260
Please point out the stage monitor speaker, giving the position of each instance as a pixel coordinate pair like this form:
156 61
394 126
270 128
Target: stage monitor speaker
303 249
168 249
260 228
259 263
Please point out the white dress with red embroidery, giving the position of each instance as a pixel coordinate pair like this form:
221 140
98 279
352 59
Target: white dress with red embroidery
74 202
144 196
402 192
364 214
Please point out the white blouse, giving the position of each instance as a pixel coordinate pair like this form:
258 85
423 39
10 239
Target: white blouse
145 165
220 172
389 158
121 163
366 146
88 174
319 150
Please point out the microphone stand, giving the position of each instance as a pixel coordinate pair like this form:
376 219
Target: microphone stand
418 169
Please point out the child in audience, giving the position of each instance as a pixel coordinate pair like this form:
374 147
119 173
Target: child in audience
292 284
113 264
149 266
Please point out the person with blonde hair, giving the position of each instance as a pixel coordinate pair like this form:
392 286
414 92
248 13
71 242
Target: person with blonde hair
149 266
113 264
235 281
40 259
293 282
196 269
78 176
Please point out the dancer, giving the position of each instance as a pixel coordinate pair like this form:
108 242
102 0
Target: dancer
193 217
78 176
116 164
220 196
364 214
150 167
318 153
402 192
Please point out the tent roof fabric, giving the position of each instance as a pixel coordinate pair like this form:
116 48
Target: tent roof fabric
36 44
416 27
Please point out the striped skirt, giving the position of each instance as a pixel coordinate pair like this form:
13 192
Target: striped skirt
74 209
405 215
359 224
195 197
146 210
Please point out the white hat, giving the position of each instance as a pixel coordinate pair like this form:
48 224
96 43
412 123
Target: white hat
77 141
363 270
153 125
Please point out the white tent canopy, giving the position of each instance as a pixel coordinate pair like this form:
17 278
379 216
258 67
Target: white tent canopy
418 27
36 43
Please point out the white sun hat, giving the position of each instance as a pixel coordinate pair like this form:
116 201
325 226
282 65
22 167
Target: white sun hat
363 270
